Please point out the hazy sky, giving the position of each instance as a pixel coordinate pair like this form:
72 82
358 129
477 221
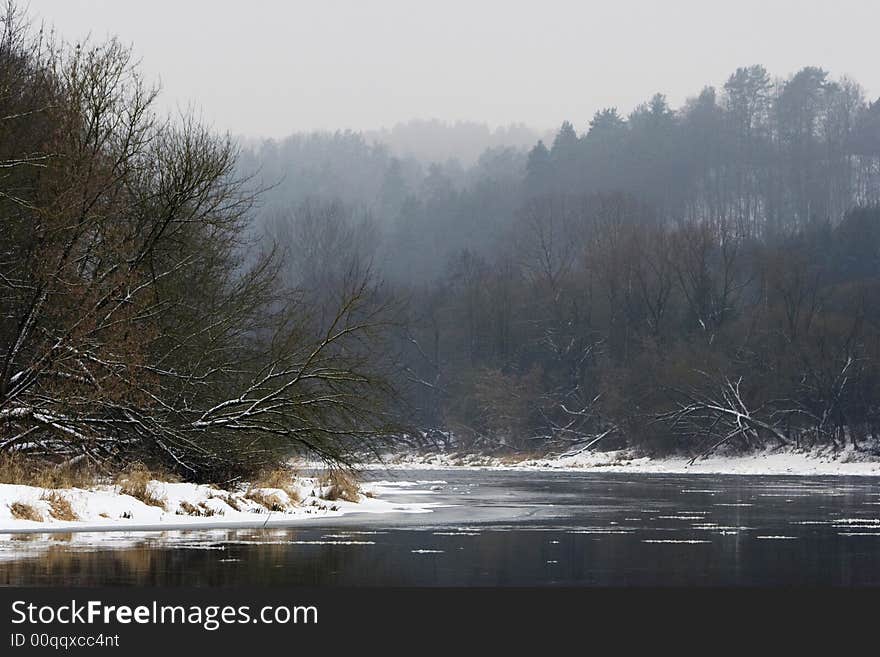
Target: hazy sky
261 67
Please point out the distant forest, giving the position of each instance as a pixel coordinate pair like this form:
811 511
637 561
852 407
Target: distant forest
674 278
671 280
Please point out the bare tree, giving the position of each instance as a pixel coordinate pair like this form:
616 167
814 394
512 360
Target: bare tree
138 321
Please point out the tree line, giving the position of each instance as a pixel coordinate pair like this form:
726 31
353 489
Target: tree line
676 279
602 323
760 157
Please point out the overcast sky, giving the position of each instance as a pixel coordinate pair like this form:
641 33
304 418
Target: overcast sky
271 67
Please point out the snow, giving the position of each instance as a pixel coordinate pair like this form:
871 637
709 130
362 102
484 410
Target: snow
822 461
106 508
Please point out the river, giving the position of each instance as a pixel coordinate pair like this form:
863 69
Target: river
508 528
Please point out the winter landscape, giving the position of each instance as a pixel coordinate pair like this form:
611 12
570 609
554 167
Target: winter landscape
271 328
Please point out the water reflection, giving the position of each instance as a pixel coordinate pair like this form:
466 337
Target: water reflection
511 529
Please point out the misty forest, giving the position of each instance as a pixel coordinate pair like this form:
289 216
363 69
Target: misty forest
668 279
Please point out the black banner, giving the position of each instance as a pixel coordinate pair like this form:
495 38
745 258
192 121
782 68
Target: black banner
240 621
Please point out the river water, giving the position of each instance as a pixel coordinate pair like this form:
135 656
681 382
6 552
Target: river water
511 529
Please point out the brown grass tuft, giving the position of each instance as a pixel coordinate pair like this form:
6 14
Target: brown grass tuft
229 499
187 509
339 486
207 511
280 478
16 469
136 482
24 511
59 507
270 502
202 510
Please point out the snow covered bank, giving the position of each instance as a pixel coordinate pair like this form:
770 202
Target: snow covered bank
188 506
846 462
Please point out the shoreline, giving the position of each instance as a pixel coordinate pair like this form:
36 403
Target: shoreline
800 463
193 506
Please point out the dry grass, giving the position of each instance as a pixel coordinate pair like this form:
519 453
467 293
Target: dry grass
59 507
24 511
187 509
266 500
339 485
280 478
31 472
202 510
228 499
136 482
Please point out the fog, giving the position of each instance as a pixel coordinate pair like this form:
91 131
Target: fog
240 241
268 68
516 225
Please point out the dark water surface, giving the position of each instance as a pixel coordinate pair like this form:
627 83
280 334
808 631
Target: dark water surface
512 529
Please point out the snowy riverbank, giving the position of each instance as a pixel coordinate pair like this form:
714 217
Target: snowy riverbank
823 461
170 506
185 506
